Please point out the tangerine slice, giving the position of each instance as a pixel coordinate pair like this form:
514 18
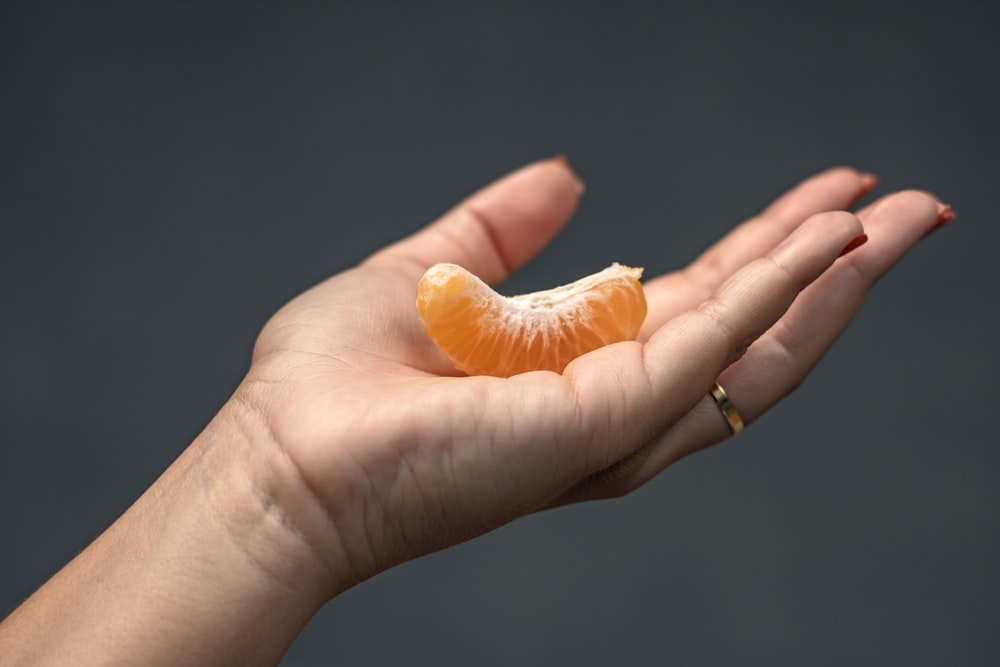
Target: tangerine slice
484 333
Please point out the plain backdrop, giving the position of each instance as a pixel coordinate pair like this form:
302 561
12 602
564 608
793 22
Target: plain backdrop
171 173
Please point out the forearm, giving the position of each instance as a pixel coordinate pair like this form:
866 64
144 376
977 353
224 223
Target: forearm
207 567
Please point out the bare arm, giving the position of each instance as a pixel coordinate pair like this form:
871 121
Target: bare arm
352 446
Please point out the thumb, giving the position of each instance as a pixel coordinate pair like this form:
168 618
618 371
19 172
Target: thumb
499 228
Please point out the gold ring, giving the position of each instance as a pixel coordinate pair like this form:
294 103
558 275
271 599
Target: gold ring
729 410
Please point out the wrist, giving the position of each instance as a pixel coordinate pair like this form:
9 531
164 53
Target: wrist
217 563
269 512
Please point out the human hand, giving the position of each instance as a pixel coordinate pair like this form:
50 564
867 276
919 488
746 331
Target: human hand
387 454
352 445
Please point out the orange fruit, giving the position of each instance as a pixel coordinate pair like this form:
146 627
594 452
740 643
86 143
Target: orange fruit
484 333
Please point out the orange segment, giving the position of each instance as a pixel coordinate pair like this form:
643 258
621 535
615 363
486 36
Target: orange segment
484 333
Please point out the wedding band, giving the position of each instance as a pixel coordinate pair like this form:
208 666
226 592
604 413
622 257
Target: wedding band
729 410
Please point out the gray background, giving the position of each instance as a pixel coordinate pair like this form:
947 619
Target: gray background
170 174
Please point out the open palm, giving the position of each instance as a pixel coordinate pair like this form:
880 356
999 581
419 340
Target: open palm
403 456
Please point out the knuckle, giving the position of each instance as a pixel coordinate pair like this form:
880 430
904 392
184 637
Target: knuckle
723 321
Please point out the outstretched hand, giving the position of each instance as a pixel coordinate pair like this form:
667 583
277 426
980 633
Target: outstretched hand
391 454
352 445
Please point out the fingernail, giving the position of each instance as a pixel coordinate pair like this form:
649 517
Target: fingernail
855 243
564 161
868 181
944 216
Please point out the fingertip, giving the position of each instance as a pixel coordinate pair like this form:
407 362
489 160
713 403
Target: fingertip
862 181
916 202
835 188
868 183
547 189
869 180
830 234
563 162
945 215
847 171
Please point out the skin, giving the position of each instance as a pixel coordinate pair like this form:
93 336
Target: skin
352 445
